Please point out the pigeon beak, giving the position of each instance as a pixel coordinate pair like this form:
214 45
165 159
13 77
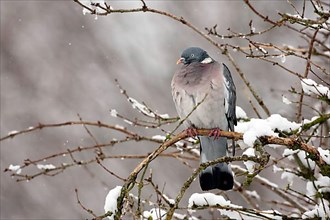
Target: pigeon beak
181 60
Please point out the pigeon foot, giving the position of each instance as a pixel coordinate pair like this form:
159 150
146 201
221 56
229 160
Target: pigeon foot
192 132
216 133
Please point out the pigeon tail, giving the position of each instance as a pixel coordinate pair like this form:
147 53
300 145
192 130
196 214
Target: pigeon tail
218 176
215 177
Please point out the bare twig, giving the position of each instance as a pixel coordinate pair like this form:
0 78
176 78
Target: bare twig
68 123
82 206
299 112
196 30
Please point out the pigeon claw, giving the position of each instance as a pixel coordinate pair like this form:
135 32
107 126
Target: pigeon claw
192 132
216 133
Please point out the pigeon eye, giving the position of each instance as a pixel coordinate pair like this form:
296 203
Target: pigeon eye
192 55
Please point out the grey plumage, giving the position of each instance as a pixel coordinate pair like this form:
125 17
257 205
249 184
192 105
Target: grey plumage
202 78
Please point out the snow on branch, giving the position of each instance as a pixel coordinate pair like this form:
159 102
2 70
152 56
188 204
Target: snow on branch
309 86
257 157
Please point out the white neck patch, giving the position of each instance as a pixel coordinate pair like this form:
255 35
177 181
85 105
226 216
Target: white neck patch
207 60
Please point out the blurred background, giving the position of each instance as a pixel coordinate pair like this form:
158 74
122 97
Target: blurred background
57 62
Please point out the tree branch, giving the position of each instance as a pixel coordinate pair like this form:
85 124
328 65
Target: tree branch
289 142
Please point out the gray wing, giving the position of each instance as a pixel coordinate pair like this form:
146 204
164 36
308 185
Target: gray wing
230 100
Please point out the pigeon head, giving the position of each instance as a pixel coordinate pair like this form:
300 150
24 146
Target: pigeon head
194 54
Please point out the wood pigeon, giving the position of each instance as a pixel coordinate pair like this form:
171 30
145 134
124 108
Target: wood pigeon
203 80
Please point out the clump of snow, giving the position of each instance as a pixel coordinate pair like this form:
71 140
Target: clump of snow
322 184
294 15
171 201
209 199
288 175
182 216
234 214
261 127
193 140
164 116
254 129
289 153
276 169
262 50
253 194
128 122
142 108
119 127
310 86
305 161
276 121
249 164
325 155
46 166
195 151
204 199
283 58
154 214
113 113
240 113
179 145
111 201
13 132
321 210
285 100
15 168
159 137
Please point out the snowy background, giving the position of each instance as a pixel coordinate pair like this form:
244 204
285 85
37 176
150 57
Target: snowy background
57 62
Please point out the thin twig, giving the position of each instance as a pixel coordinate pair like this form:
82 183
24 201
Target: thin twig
82 206
299 112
